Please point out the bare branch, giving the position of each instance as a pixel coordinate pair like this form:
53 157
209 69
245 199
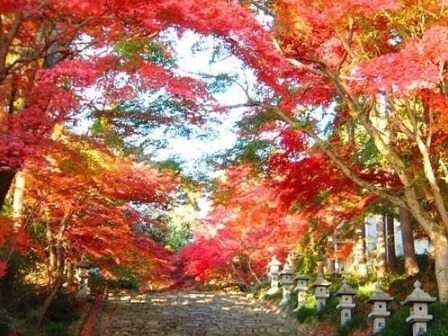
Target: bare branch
346 44
6 44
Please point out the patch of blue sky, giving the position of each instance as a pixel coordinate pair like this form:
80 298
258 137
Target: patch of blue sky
199 56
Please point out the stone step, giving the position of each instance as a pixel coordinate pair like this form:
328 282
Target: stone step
188 313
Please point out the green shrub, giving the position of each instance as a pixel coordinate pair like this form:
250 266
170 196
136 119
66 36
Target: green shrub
4 327
396 324
56 329
62 310
439 325
329 311
122 284
357 322
306 313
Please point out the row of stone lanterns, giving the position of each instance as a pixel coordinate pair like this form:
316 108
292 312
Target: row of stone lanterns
418 300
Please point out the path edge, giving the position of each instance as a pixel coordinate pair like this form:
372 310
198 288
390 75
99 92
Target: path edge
89 322
281 314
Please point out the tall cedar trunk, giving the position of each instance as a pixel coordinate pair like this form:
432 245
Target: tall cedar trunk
410 260
359 251
391 253
381 246
6 178
440 243
363 261
17 204
69 273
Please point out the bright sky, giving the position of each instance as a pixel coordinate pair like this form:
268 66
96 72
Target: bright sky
193 149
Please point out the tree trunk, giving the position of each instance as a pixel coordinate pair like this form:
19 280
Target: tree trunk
52 262
242 283
57 260
391 253
17 204
69 273
380 247
440 243
49 300
249 266
6 177
359 251
410 260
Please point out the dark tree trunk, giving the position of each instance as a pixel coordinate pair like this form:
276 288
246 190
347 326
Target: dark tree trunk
410 259
49 300
57 263
391 253
6 178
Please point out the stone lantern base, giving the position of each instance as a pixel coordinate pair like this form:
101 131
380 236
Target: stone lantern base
379 320
346 312
273 290
286 296
321 302
301 298
419 328
419 324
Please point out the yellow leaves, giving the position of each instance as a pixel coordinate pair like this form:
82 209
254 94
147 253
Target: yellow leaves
288 17
57 132
443 122
302 26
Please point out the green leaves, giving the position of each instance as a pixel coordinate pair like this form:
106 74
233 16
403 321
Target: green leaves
149 50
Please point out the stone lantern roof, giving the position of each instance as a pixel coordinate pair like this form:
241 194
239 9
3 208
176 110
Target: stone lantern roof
274 262
287 270
345 290
299 277
418 295
321 281
379 295
83 264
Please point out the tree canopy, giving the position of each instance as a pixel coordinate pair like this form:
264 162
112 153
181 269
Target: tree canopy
347 108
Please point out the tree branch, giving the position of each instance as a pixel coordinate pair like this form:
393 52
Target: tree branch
341 165
5 44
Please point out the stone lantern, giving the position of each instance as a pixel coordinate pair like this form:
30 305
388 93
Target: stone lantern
301 288
379 312
82 275
418 300
321 289
286 281
346 295
273 273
